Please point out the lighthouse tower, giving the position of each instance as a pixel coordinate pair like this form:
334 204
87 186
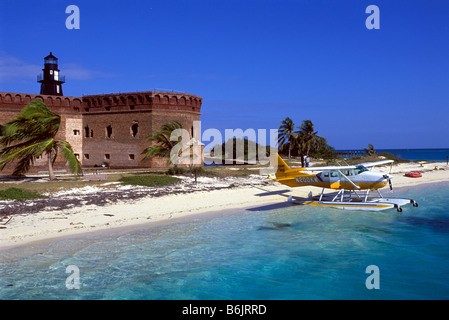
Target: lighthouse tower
51 81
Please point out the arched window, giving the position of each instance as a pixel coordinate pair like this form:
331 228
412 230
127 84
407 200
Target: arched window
134 129
109 131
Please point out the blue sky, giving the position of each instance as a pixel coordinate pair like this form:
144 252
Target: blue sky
254 62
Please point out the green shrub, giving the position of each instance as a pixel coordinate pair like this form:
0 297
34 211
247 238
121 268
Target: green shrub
175 170
19 194
200 171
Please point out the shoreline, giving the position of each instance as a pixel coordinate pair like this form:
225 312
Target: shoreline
210 197
40 245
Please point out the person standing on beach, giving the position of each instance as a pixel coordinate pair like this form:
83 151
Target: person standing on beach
306 160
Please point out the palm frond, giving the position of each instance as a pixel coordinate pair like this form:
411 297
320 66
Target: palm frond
163 145
67 152
25 155
31 134
156 151
24 164
35 120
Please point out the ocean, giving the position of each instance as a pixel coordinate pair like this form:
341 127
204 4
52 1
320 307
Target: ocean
416 154
276 252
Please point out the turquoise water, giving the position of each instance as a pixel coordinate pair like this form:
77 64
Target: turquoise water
273 252
416 154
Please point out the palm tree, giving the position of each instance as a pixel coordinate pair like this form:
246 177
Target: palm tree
370 151
286 134
32 134
163 145
306 138
309 136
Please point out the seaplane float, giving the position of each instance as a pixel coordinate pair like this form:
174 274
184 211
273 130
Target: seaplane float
353 182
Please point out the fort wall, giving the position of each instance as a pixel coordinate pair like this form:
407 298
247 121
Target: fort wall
110 128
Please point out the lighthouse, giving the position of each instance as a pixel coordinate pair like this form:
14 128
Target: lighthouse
51 81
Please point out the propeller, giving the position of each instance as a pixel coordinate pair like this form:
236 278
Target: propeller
386 176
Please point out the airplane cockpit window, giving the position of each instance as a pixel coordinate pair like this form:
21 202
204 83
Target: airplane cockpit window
360 169
334 174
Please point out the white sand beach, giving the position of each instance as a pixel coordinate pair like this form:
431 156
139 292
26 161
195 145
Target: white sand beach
203 197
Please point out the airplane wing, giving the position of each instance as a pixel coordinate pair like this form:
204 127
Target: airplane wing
377 163
335 168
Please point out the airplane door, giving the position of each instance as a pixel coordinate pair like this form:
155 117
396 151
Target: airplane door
334 179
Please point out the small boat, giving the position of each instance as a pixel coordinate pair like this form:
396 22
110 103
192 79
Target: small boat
413 174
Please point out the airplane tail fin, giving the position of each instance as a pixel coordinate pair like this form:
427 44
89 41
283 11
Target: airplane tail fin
281 166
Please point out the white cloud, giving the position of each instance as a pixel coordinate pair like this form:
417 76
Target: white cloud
15 70
77 72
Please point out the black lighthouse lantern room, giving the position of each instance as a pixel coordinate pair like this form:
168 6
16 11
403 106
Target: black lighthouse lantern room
51 81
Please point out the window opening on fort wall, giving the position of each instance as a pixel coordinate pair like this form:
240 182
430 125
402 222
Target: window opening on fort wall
89 133
134 129
109 131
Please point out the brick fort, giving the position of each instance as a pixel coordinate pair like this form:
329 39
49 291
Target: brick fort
106 128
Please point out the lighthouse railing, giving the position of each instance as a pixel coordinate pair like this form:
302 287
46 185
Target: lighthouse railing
40 77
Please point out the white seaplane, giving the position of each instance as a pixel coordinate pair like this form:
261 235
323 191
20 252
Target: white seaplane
348 180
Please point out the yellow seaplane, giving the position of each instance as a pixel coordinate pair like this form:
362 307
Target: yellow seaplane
348 180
